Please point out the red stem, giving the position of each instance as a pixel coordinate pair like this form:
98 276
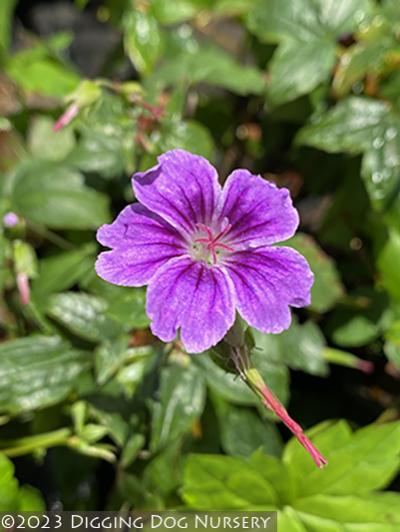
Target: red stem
271 402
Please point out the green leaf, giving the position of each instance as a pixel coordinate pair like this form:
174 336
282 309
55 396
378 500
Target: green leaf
350 126
381 165
359 463
13 497
127 305
351 512
62 270
189 135
326 436
6 12
351 327
300 347
307 31
358 60
215 482
361 125
69 203
99 151
34 71
353 330
297 69
143 39
38 371
387 262
180 10
195 62
164 473
44 143
243 432
84 315
232 389
305 20
392 344
180 403
30 500
113 355
8 485
327 288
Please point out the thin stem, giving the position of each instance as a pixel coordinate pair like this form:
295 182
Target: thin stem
256 383
50 236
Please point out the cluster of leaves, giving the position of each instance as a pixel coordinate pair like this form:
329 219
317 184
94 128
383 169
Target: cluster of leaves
306 91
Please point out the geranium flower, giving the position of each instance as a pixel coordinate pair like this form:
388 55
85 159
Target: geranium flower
206 251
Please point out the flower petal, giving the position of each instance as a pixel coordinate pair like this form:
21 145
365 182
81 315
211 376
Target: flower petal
259 212
183 188
141 242
267 280
193 297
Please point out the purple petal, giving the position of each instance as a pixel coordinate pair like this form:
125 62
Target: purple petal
194 297
183 188
267 281
259 212
141 242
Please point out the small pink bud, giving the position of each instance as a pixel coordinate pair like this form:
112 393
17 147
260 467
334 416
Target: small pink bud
69 114
10 219
366 366
23 288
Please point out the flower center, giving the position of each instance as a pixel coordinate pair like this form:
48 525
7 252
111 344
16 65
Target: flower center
208 246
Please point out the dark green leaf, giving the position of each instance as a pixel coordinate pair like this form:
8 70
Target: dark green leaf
84 315
243 432
61 271
350 126
297 69
300 347
327 287
38 371
180 403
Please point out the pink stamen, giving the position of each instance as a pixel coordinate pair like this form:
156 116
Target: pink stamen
212 242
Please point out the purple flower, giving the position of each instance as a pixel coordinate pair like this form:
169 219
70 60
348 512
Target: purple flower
205 251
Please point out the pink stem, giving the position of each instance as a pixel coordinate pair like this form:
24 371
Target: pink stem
271 402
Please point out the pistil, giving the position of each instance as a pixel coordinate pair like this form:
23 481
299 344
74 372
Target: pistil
213 242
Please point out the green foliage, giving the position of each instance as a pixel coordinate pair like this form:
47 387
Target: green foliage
343 495
305 93
14 497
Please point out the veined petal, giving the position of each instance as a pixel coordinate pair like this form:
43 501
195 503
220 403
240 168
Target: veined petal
183 188
193 297
259 212
141 242
267 280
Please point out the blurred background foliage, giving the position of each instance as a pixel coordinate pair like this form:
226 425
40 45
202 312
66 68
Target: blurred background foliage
94 412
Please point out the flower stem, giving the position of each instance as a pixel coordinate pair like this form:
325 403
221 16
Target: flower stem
256 383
